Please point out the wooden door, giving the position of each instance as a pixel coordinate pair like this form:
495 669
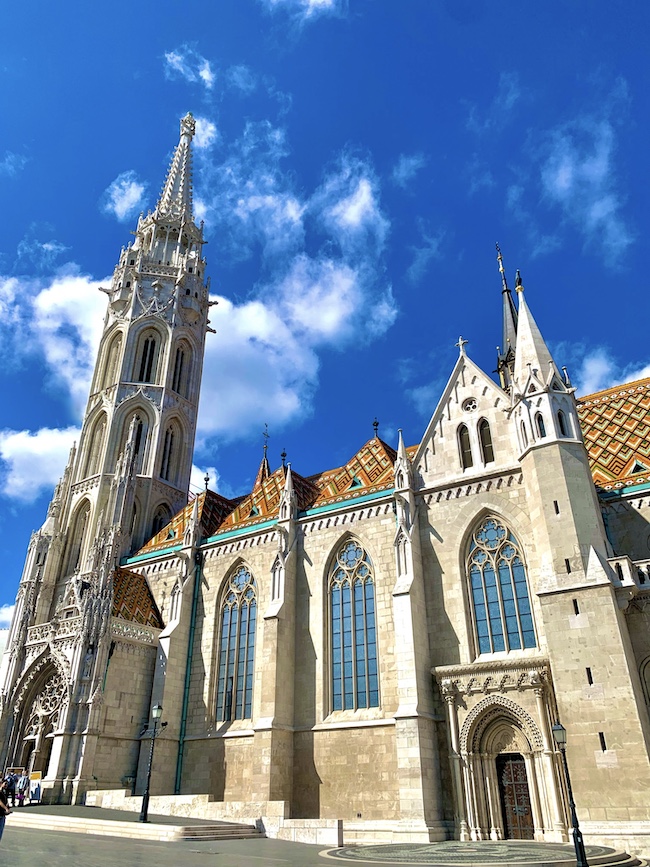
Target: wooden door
515 797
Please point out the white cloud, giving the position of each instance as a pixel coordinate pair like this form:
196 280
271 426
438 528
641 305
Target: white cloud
124 197
206 133
33 462
12 163
6 613
578 174
304 10
185 62
41 255
406 168
68 319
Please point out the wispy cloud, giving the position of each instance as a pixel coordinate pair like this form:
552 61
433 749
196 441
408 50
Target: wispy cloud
125 196
206 133
305 10
498 112
11 164
479 175
406 168
424 253
241 78
36 255
6 613
185 62
579 175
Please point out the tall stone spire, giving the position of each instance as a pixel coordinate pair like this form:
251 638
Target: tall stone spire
176 197
506 354
532 353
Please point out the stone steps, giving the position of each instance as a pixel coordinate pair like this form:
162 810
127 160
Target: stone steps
166 832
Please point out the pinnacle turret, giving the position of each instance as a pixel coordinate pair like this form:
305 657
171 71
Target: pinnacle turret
176 196
532 353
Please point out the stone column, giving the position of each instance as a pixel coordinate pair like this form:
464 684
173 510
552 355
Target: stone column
449 695
550 770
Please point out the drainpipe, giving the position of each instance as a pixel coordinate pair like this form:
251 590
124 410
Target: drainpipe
198 557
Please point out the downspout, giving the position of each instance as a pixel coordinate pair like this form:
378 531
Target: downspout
198 557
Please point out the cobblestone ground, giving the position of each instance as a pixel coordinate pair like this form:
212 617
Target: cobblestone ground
466 854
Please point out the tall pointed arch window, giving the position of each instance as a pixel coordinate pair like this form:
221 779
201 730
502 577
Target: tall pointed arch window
237 647
465 447
485 439
353 636
182 369
140 434
146 361
539 424
76 538
170 445
562 424
503 618
95 447
112 357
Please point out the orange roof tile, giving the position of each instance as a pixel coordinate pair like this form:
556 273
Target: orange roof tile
616 428
133 600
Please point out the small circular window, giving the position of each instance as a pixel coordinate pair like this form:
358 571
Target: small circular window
470 404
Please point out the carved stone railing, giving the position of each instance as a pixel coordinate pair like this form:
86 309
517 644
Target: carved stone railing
135 632
53 630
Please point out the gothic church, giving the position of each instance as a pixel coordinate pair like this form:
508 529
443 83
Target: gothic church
386 643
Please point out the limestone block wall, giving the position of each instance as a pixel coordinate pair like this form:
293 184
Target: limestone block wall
445 527
609 777
221 767
343 772
124 712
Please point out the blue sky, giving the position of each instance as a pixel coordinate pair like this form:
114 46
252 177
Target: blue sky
355 163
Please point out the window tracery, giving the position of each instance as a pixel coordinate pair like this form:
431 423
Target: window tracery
353 640
237 647
501 608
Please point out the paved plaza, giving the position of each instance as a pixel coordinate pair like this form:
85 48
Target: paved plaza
27 847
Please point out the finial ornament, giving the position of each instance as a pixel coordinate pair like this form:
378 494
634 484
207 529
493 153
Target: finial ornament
375 426
266 436
206 479
283 457
519 286
502 270
188 125
461 345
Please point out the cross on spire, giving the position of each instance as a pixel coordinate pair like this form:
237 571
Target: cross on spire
461 345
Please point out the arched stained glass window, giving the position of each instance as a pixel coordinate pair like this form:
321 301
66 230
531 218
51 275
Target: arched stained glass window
237 647
353 636
499 589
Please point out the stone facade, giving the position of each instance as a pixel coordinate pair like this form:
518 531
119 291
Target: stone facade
387 643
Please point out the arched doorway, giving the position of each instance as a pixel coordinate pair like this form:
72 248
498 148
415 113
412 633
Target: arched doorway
514 796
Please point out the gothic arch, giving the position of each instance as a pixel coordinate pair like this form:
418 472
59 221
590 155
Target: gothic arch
109 369
182 366
172 449
644 673
92 459
489 710
135 406
77 536
150 343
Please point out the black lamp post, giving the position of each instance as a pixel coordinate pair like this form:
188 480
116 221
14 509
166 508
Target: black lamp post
559 736
156 713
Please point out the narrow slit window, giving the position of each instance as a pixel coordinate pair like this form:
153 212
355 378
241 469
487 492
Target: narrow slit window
561 423
539 424
590 679
567 565
576 607
485 438
465 447
603 742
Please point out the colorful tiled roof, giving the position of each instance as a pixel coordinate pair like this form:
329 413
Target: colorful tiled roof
368 471
213 509
616 428
132 599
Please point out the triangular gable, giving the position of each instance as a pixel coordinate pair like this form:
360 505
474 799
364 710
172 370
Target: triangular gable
463 371
133 600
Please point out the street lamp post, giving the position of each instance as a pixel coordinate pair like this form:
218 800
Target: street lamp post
156 713
559 736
